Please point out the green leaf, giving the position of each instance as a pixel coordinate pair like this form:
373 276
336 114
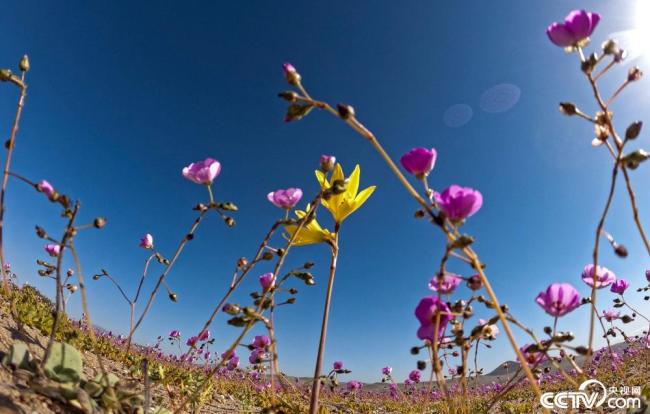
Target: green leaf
633 159
64 363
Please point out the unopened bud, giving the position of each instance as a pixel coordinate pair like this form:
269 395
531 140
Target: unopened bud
345 111
70 272
267 255
5 75
173 297
40 232
422 365
327 162
289 96
291 301
242 262
291 74
231 309
230 222
610 47
568 108
99 222
634 74
620 250
96 277
24 64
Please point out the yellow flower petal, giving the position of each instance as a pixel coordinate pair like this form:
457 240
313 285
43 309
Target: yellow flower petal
363 196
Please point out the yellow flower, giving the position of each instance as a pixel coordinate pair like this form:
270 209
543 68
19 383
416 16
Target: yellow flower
346 203
311 233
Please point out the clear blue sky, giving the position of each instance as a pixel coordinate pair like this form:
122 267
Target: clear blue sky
122 96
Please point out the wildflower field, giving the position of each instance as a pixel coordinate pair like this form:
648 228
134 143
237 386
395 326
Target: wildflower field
58 358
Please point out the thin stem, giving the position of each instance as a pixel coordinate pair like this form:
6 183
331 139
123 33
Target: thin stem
5 175
315 391
179 249
635 209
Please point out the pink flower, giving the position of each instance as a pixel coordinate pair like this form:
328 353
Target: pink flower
327 162
415 375
175 334
202 172
620 286
285 198
604 277
459 203
233 363
532 355
475 282
647 275
7 267
577 26
426 312
53 249
419 161
267 281
338 365
146 242
559 299
610 315
354 386
226 355
256 356
46 188
191 342
387 370
204 335
261 342
447 285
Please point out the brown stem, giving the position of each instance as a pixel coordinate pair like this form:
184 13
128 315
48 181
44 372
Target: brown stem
10 149
315 390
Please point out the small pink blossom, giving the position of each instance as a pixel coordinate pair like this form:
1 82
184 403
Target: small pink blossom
256 356
426 312
604 277
46 188
610 315
286 199
445 285
233 363
146 242
261 342
354 386
459 203
620 286
647 275
387 370
53 249
202 172
415 375
558 299
419 161
191 341
338 365
204 335
175 334
267 281
577 26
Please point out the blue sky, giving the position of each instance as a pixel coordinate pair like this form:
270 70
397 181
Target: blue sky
123 95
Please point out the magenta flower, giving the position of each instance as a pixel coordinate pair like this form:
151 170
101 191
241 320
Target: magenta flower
46 188
191 341
327 162
558 299
426 312
233 363
338 365
604 277
459 203
285 198
387 370
261 342
354 386
415 375
619 286
204 335
53 249
146 242
475 282
202 172
647 275
419 161
446 285
610 315
532 356
577 26
175 334
256 356
267 280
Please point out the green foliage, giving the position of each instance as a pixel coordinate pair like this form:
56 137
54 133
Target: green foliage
64 363
18 356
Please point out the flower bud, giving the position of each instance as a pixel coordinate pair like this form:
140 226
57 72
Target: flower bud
99 222
610 47
422 365
40 232
338 187
568 108
96 277
24 64
634 74
291 74
327 162
231 309
5 75
242 262
173 297
620 250
345 111
230 222
267 255
289 96
70 272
